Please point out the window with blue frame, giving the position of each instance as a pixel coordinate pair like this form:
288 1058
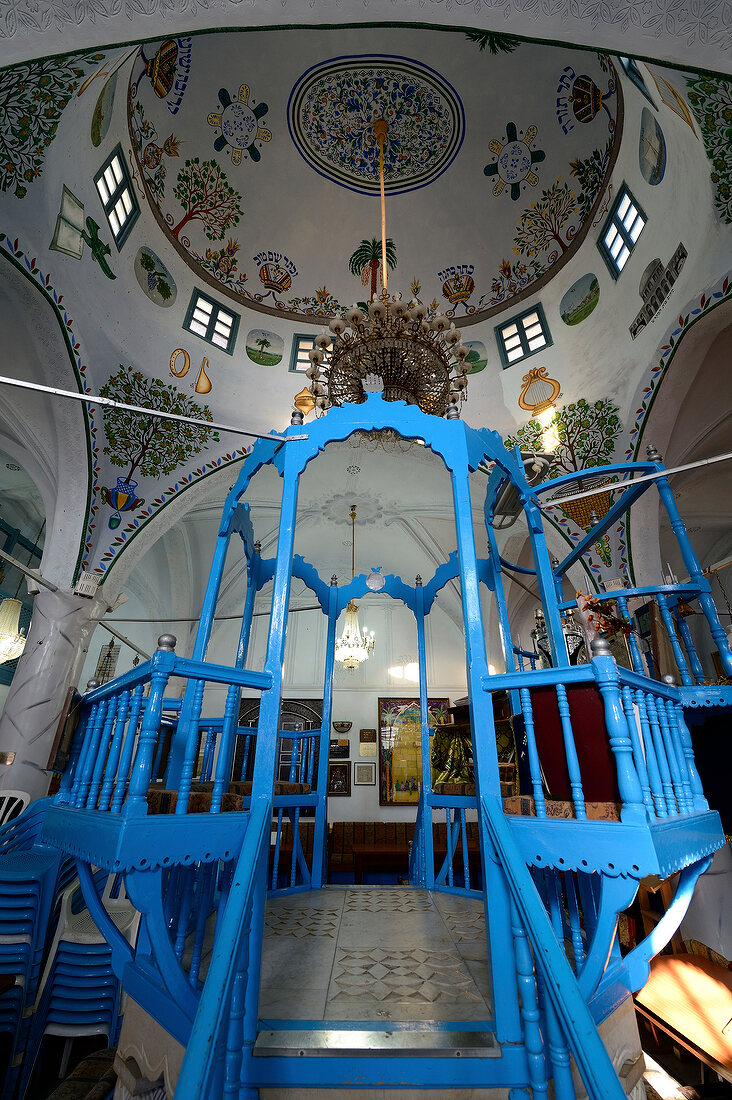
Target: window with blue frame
114 188
522 336
208 319
302 345
621 231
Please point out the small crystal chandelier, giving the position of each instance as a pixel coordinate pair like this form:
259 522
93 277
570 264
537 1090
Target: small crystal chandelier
418 360
353 647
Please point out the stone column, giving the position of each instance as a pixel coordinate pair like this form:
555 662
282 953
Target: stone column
60 629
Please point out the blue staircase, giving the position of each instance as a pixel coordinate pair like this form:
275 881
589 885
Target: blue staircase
194 845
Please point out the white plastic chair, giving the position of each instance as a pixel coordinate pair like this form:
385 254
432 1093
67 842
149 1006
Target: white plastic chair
12 804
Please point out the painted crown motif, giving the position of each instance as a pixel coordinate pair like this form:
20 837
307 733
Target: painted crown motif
458 288
275 278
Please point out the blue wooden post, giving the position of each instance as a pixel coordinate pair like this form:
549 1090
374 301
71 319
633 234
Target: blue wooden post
636 658
573 768
246 623
545 582
697 791
87 755
203 633
654 772
226 748
532 753
125 761
102 752
320 836
606 675
694 570
425 818
640 762
269 712
661 753
678 652
683 628
485 756
190 747
504 626
163 662
115 749
530 1010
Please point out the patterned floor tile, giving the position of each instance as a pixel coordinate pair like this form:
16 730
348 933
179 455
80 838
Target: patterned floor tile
302 922
412 975
388 901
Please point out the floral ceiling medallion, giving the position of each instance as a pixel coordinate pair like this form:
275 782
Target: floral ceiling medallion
331 112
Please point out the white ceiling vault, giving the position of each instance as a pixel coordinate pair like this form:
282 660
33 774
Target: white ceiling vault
490 126
676 31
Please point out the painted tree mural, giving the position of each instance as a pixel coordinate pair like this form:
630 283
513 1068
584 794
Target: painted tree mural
711 100
541 225
586 433
590 174
366 261
146 443
206 196
32 99
494 40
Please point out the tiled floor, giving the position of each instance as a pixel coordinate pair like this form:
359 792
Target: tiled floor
365 954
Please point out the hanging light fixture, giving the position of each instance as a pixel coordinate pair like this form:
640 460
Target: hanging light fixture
12 637
418 360
353 647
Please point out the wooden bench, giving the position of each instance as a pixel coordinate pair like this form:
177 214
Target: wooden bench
690 999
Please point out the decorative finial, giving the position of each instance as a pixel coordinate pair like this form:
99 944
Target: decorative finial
600 647
452 412
257 547
297 417
167 642
333 581
652 453
418 581
93 683
669 679
594 518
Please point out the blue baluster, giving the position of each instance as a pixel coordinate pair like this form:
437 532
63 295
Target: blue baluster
636 658
184 911
246 622
699 802
449 846
203 905
558 1051
530 1013
115 749
661 754
691 653
570 750
245 758
668 622
674 736
606 675
639 759
534 764
466 860
209 751
232 1082
504 625
683 796
226 748
190 751
426 840
163 663
89 754
575 926
102 753
651 757
320 835
84 748
125 761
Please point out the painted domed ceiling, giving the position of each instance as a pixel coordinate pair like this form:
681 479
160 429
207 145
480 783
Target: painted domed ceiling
259 159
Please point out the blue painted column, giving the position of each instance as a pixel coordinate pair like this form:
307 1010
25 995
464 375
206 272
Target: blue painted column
485 756
320 839
269 714
178 744
246 624
545 581
504 625
694 570
425 818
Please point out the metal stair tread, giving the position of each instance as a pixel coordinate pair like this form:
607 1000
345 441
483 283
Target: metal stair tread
336 1042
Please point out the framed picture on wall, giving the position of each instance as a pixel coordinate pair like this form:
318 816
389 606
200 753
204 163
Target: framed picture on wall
400 747
364 773
339 779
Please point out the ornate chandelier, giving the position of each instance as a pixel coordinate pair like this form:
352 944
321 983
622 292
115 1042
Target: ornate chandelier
353 647
418 360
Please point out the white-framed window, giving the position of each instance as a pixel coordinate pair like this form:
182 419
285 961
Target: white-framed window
621 231
114 187
523 336
211 321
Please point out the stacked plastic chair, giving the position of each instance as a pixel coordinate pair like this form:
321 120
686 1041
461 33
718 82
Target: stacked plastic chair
78 994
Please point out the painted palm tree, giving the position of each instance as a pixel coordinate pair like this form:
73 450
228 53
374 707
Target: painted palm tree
366 261
262 343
